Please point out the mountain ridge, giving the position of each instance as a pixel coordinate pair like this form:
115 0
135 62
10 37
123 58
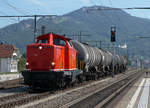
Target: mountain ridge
95 22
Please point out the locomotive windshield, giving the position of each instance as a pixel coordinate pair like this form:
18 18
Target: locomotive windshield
43 41
59 42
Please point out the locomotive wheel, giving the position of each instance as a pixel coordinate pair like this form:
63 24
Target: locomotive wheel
61 83
96 76
81 78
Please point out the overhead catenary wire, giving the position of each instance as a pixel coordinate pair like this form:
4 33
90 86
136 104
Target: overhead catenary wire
107 17
112 8
27 15
79 35
4 14
110 2
35 20
13 7
119 19
142 36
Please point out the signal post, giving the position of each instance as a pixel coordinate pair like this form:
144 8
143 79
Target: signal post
113 40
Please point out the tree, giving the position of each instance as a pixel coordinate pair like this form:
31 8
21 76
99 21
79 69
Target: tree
21 64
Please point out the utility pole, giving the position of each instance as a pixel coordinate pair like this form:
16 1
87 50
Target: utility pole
35 29
42 30
142 37
80 34
113 71
100 44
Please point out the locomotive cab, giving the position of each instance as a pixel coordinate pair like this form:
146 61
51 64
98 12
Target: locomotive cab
51 59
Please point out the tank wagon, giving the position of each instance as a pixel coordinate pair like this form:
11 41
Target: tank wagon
57 60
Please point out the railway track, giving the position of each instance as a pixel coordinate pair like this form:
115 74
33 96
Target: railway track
100 98
68 98
12 83
20 98
57 98
17 83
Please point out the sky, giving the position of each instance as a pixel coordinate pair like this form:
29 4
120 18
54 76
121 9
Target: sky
60 7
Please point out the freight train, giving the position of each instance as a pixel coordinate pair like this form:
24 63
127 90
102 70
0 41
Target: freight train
57 60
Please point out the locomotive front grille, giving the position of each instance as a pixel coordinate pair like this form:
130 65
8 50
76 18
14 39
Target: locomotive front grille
39 64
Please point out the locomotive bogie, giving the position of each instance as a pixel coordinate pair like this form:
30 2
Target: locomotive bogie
50 78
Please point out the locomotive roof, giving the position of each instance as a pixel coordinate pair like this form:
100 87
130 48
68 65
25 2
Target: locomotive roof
55 35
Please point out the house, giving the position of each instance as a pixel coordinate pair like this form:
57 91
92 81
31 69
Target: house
9 56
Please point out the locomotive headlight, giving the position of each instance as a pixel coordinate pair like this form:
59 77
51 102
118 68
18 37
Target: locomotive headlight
53 63
40 47
27 63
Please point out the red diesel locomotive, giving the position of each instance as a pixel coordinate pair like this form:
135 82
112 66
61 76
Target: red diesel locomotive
57 60
52 59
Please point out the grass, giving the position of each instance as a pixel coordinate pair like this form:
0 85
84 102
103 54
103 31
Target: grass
5 73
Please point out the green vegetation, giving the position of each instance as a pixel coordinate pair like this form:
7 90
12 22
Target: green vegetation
24 55
2 73
21 64
129 63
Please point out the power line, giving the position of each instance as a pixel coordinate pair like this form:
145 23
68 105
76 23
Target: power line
6 16
143 37
12 19
80 35
13 7
96 42
119 19
35 20
92 1
137 8
111 8
110 2
107 17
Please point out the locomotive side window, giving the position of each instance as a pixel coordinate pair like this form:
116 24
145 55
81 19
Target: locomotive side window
70 44
59 42
43 41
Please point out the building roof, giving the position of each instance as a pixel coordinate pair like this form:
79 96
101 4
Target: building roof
6 51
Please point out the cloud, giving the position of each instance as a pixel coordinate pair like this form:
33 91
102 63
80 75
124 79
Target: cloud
85 1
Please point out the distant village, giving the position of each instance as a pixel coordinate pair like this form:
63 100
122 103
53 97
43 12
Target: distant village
9 57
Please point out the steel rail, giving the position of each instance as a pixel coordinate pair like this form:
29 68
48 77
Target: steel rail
108 99
74 103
